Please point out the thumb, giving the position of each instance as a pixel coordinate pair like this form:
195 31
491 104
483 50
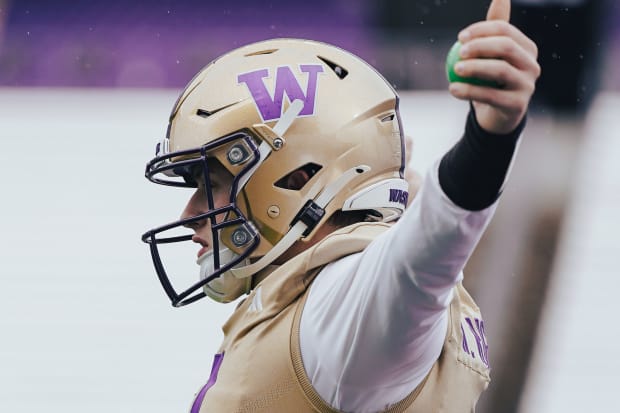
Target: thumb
499 10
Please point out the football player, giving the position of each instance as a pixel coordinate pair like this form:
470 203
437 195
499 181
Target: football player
295 153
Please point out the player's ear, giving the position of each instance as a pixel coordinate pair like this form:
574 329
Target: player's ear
297 179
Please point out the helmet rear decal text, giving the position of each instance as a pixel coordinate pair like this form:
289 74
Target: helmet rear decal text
399 196
270 105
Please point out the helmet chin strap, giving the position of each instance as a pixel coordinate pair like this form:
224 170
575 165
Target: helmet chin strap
298 229
228 286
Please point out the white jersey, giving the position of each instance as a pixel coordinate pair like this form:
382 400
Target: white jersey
375 322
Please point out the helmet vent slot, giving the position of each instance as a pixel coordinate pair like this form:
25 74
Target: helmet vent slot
206 113
203 113
340 71
388 118
297 179
268 51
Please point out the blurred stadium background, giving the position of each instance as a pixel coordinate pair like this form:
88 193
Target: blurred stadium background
85 91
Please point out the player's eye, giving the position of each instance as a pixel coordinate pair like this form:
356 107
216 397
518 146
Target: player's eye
198 175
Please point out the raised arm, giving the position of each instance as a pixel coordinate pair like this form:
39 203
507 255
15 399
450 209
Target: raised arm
388 325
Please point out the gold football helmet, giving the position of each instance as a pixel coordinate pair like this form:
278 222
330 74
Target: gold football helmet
265 111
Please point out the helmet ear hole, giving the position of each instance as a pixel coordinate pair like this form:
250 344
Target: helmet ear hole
298 178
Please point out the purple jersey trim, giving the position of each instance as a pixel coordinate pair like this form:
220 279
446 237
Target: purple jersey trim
217 361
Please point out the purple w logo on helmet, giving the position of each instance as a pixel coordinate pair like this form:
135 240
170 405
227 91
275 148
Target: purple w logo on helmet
270 105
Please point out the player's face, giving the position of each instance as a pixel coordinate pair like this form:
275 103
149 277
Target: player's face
221 182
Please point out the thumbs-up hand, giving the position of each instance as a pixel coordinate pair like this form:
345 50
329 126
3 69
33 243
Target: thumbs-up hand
496 51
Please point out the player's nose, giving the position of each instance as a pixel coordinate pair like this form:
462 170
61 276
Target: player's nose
195 206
